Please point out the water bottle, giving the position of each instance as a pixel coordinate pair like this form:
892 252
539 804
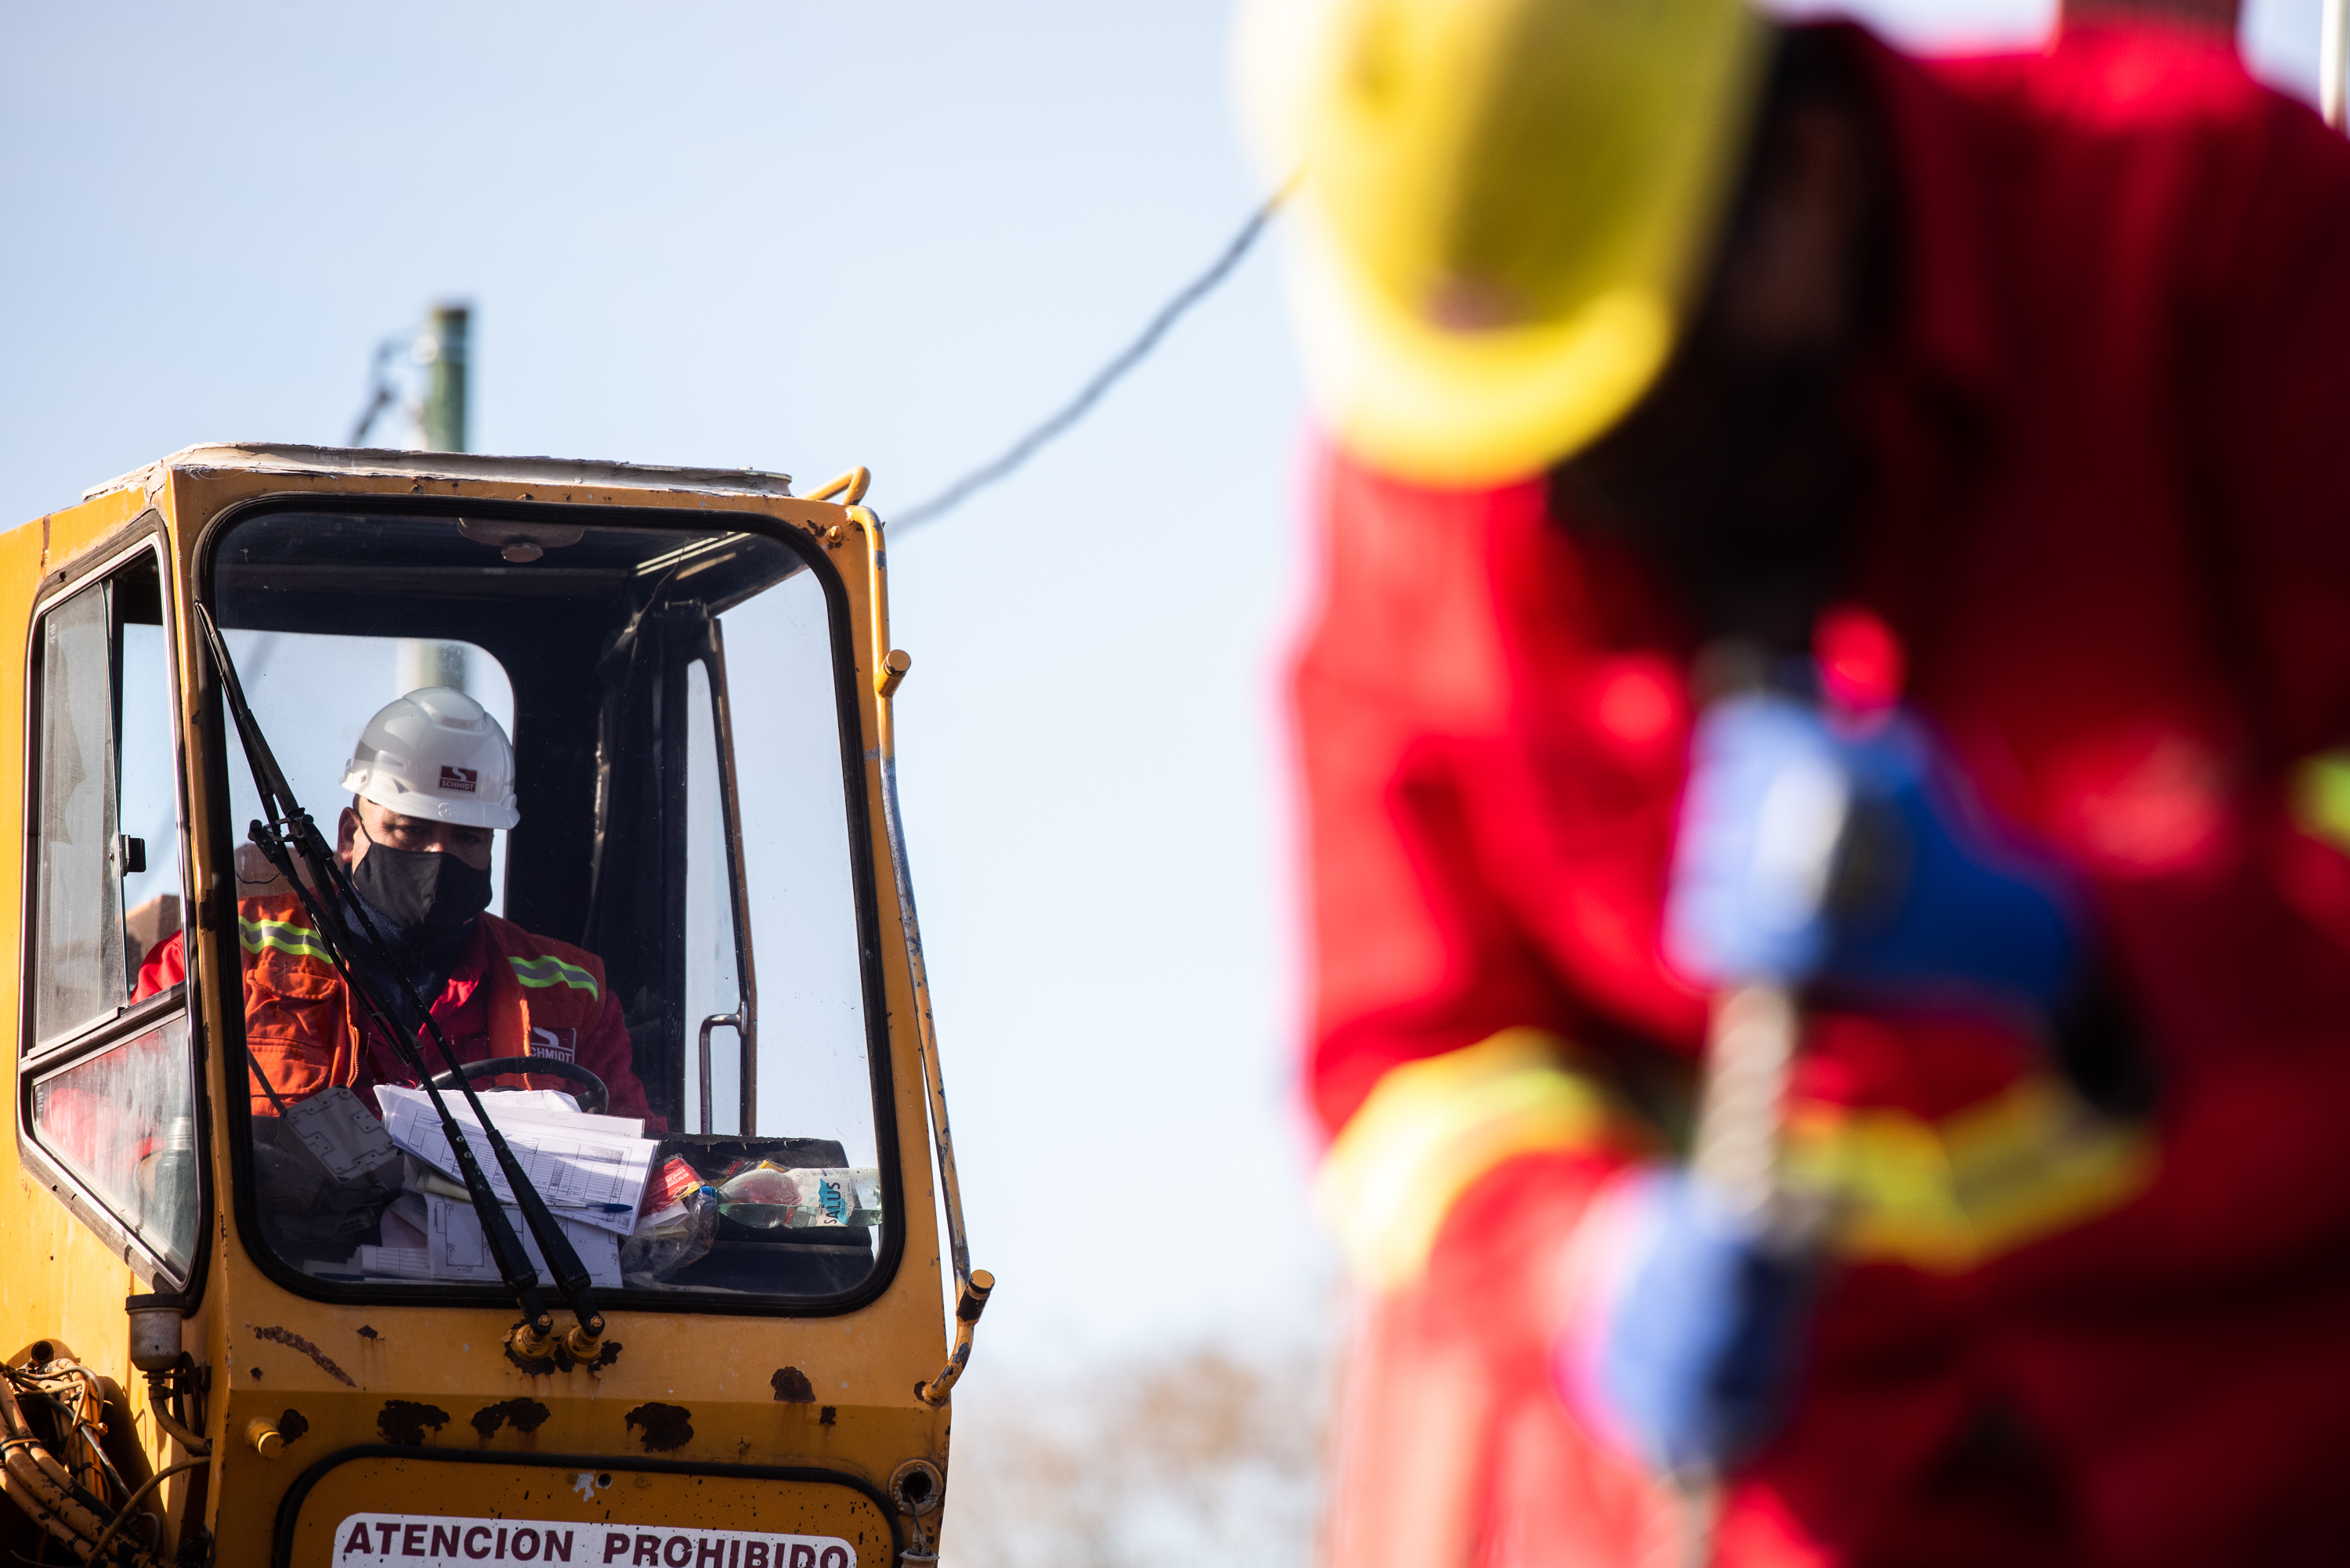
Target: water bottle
169 1179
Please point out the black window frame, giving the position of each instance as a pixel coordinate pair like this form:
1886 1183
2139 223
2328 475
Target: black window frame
218 914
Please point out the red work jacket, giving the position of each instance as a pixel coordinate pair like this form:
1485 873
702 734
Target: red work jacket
510 993
2111 524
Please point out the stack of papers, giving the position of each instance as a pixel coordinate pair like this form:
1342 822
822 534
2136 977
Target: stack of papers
429 1237
591 1170
344 1136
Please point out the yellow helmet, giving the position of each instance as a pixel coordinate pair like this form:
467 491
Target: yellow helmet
1506 208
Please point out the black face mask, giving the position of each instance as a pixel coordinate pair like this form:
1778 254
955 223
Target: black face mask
427 893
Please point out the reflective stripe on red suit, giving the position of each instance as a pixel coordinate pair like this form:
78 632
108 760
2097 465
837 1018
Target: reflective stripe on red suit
299 1022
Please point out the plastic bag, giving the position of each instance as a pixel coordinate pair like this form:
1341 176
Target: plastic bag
676 1228
769 1196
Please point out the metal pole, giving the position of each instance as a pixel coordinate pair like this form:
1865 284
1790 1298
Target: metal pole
1750 1047
444 351
2330 62
418 662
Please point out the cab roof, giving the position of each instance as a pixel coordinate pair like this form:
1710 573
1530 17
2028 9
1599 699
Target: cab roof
278 457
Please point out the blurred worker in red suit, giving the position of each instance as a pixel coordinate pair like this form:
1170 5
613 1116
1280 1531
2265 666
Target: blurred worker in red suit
1713 407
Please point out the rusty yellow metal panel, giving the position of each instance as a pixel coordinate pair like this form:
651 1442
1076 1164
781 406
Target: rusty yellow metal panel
688 1398
573 1509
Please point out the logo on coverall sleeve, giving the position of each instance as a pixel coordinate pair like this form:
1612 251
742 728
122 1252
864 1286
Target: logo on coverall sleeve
563 1044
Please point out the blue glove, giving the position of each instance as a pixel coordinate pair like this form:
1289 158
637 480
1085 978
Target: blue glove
1814 848
1700 1331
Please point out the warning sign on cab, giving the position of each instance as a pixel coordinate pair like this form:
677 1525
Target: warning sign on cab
436 1540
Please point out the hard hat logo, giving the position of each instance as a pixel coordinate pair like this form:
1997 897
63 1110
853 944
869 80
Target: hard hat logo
431 745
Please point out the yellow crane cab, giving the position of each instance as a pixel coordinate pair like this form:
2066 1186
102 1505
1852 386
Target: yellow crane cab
602 1229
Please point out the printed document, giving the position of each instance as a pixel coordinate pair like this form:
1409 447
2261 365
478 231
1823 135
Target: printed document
590 1169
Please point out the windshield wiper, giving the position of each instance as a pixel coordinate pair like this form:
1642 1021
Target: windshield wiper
287 832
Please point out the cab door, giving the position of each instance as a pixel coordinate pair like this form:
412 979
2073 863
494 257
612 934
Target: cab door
107 1076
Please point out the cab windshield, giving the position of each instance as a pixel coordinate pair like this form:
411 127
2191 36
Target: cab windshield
667 1001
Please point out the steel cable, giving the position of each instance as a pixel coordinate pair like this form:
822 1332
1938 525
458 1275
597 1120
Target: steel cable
1109 376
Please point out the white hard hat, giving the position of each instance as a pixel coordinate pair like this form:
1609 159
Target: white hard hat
436 754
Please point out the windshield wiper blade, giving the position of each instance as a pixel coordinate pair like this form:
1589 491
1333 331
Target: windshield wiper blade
290 832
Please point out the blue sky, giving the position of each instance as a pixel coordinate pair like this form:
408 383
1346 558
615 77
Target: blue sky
802 237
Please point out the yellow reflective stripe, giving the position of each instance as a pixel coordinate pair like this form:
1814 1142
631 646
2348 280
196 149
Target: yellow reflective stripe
1948 1195
2319 794
552 970
286 937
1431 1128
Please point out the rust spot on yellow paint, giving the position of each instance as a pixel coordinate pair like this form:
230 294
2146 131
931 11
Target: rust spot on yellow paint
526 1416
286 1336
666 1426
403 1421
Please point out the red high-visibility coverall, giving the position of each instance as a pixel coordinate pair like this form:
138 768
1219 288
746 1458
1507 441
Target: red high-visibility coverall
306 1033
2111 524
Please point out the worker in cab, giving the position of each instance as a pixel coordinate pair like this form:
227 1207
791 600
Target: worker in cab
433 783
1798 515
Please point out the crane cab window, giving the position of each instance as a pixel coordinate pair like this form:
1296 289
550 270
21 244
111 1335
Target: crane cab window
109 1078
638 732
